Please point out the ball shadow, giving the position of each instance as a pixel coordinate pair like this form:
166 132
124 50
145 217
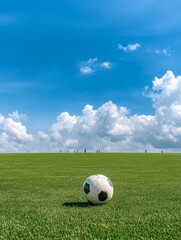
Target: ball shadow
76 204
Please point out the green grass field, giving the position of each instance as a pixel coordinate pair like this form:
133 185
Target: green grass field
41 197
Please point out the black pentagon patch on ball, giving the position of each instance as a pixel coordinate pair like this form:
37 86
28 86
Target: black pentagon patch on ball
86 188
102 196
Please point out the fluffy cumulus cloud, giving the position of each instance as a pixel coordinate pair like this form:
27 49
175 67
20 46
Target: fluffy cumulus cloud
129 47
107 128
166 97
13 134
93 65
18 116
113 128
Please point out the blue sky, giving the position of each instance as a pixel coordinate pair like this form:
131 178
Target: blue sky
58 56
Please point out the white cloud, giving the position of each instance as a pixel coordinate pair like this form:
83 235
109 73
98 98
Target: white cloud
13 134
166 90
2 118
112 128
108 128
107 65
18 116
164 52
86 70
15 130
129 47
87 67
93 65
43 136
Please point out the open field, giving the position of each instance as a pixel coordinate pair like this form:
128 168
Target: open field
41 197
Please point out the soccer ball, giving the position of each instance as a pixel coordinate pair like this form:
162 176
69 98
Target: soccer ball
98 189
